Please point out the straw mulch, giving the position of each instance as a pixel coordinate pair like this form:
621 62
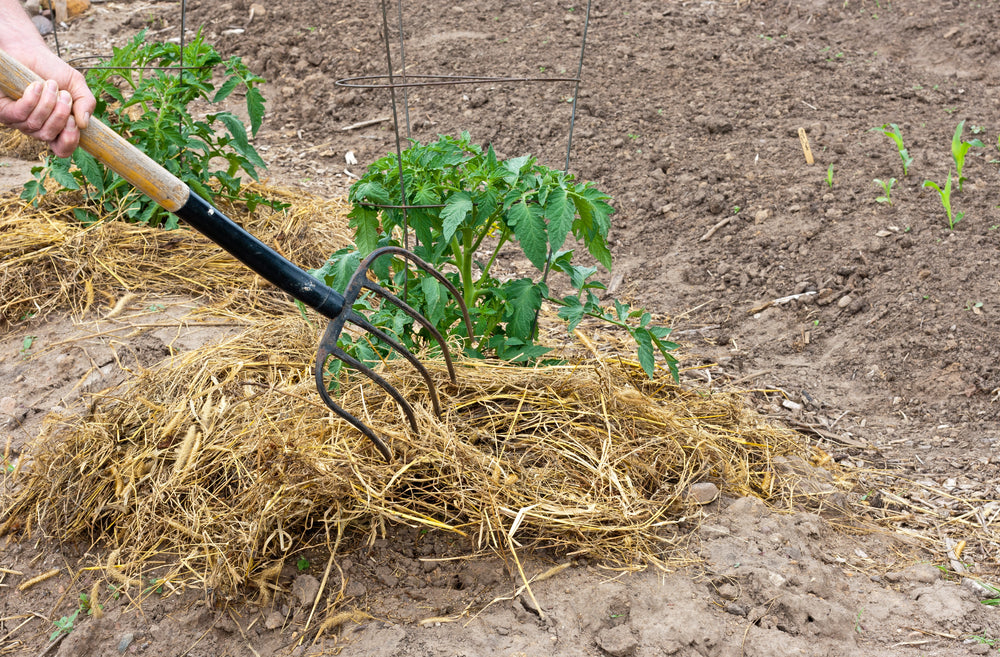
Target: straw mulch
226 460
49 261
14 143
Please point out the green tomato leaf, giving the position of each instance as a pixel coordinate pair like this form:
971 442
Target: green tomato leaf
455 210
227 88
511 169
61 174
645 353
255 107
434 299
364 221
523 299
92 171
529 228
572 312
560 212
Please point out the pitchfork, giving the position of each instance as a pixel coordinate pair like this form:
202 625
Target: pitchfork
175 196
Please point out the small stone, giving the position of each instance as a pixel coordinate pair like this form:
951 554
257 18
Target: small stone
728 591
703 492
735 609
304 589
618 641
125 642
257 9
792 406
921 573
274 620
776 580
844 301
713 531
979 649
761 216
42 24
824 297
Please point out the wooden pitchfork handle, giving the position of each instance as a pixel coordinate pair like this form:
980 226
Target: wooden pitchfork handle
172 194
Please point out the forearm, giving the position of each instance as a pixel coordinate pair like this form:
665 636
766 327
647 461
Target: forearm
18 34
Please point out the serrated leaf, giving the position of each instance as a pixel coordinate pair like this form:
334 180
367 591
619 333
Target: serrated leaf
511 169
370 191
366 229
255 108
59 171
337 271
572 312
227 88
529 228
646 356
455 210
523 299
434 299
560 212
92 171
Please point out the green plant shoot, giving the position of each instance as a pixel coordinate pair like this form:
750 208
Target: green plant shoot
892 131
886 186
142 96
945 194
829 176
466 206
64 625
959 149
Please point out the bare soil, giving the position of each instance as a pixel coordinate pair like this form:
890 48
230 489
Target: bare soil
689 115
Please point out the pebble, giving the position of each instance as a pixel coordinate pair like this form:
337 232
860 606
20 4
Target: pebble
618 641
304 588
125 642
42 24
703 492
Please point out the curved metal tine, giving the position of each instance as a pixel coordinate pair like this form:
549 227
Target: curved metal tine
409 310
361 322
423 321
321 357
354 286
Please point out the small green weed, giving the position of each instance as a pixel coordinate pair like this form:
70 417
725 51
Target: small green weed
302 564
26 344
886 186
945 194
959 149
64 625
829 176
892 131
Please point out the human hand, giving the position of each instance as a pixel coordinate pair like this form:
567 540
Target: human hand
54 111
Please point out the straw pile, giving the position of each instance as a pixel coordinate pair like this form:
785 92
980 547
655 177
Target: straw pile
49 261
14 143
225 459
218 463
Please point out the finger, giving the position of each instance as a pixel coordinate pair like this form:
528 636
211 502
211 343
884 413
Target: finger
68 139
14 113
57 119
83 101
47 102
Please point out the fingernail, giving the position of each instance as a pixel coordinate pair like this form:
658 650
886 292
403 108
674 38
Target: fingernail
86 120
65 98
31 88
51 85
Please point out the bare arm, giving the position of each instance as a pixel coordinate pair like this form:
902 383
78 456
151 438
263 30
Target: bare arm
52 112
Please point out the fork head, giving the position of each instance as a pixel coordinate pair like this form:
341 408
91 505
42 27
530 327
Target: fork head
328 346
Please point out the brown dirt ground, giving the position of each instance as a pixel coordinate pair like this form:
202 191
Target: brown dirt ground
688 116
